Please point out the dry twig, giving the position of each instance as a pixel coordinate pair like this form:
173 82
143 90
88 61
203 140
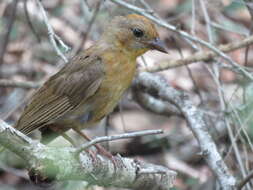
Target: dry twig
6 36
19 84
54 38
200 56
245 181
117 137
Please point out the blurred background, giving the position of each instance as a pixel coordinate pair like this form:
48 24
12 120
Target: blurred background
224 95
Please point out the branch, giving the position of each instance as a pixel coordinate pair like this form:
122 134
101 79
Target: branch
17 84
245 181
89 27
117 137
152 104
158 87
6 36
54 163
200 56
52 36
30 22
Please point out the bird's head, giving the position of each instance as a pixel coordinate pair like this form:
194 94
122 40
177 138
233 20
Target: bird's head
134 34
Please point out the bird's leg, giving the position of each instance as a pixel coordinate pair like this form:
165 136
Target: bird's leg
100 149
59 130
65 136
77 126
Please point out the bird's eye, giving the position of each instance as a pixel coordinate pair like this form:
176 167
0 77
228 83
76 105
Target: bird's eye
137 32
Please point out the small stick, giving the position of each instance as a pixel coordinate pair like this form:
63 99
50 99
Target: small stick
6 36
245 181
52 36
19 84
117 137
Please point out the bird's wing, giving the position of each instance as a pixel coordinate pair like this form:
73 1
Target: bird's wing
63 92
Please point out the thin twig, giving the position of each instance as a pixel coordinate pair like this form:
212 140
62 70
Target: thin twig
87 4
208 21
193 23
52 36
147 7
195 85
152 104
243 31
89 27
6 36
215 72
250 9
30 22
245 181
199 56
117 137
19 84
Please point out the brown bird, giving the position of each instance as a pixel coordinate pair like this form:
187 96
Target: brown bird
88 88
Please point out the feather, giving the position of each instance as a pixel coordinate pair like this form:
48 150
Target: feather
62 93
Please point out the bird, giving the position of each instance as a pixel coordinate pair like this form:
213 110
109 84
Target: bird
91 84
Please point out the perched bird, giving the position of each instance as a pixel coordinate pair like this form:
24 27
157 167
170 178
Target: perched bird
88 88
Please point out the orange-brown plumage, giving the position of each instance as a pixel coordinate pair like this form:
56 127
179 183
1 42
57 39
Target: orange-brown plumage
88 88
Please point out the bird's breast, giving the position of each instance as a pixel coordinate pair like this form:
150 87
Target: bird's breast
119 73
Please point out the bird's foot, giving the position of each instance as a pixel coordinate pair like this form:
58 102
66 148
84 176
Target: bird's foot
92 154
106 153
100 149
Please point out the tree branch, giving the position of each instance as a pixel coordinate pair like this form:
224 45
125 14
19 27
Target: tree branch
159 88
6 36
19 84
54 38
117 137
199 56
54 163
245 180
155 105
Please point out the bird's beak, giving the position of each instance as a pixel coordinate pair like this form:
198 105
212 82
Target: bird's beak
157 44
